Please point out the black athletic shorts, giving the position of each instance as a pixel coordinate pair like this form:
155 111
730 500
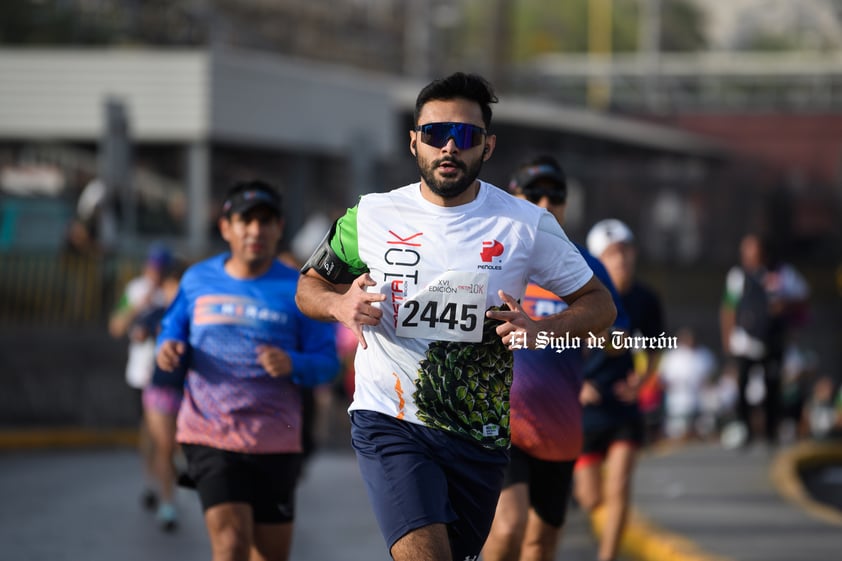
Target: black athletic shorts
549 484
597 441
265 481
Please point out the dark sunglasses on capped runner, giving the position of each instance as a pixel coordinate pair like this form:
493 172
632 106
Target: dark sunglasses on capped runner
535 194
464 135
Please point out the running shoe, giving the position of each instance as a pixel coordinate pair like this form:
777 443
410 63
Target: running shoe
149 499
167 517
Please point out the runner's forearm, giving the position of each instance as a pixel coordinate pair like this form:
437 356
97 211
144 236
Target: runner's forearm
316 298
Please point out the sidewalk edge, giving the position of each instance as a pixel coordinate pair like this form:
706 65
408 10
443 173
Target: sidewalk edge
28 439
784 475
644 541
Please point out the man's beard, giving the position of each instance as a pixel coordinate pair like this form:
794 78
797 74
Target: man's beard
448 188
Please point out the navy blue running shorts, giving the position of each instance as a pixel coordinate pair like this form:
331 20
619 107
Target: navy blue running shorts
265 481
417 476
549 484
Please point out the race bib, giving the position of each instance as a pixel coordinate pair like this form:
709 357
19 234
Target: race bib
450 308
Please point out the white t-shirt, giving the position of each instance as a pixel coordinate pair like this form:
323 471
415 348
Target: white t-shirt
140 292
684 372
440 268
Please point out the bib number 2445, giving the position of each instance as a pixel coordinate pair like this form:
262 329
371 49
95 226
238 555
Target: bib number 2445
447 309
452 315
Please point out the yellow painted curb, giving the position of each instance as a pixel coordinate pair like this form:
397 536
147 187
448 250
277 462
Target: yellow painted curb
25 439
644 541
784 474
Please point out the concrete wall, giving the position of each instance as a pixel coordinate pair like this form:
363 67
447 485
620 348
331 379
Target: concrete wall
64 376
59 94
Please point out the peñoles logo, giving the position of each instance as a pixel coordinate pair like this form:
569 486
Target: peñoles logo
490 250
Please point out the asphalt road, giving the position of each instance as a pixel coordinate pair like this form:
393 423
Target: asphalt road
83 505
693 503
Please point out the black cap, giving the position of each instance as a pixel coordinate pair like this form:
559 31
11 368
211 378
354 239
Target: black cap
246 196
530 174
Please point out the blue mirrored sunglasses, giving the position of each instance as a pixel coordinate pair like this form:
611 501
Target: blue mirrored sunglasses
464 135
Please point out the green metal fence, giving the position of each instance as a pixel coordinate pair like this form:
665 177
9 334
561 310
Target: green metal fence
55 289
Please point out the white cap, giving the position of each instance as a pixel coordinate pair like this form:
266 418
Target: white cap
607 232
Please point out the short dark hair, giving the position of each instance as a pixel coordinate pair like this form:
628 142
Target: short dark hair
468 86
245 195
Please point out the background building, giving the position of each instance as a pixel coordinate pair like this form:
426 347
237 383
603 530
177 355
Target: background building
135 116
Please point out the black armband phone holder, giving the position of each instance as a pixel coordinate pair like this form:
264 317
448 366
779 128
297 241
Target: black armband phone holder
325 262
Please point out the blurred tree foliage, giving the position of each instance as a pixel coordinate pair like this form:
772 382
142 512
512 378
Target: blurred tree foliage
682 26
29 22
771 42
540 27
57 22
536 26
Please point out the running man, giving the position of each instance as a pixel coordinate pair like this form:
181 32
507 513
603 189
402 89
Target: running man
428 277
249 348
546 416
612 420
